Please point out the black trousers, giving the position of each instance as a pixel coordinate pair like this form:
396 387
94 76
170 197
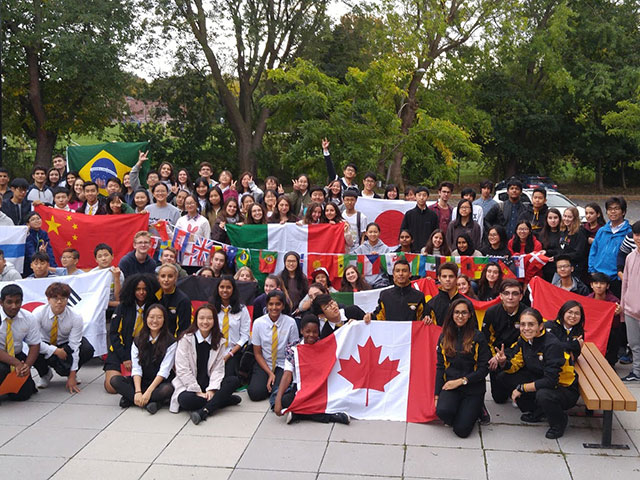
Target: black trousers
191 401
460 408
231 366
63 367
27 389
257 388
287 399
125 387
550 401
499 391
614 344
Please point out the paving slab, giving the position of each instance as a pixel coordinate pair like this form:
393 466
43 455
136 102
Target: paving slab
363 459
593 467
628 420
573 439
56 392
40 442
248 405
173 472
80 416
126 446
275 427
243 474
7 432
32 468
280 454
203 451
225 423
93 394
134 419
24 413
336 476
438 435
435 462
369 431
530 466
518 438
82 469
504 413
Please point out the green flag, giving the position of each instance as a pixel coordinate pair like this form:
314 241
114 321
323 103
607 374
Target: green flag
99 163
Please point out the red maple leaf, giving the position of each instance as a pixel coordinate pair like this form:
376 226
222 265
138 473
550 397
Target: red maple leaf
368 373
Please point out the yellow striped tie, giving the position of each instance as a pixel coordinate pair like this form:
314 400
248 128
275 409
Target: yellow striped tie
274 347
225 325
9 340
53 338
138 326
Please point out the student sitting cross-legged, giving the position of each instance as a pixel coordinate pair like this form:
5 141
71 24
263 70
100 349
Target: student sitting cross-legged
310 328
62 346
271 335
201 386
152 355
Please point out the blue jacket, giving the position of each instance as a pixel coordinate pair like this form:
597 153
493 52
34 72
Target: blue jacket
604 249
34 239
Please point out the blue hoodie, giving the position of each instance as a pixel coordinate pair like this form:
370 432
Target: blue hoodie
604 249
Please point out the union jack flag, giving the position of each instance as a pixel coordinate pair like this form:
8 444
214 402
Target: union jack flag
200 251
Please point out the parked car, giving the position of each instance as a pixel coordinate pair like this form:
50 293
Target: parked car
531 180
554 200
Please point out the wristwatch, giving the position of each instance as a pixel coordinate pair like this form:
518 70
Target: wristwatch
464 381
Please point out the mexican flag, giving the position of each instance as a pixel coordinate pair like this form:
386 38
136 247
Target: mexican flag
103 161
548 299
89 298
386 213
380 371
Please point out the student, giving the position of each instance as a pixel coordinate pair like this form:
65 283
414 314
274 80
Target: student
227 185
496 242
138 293
461 369
69 261
437 307
501 328
509 212
62 346
248 186
550 239
420 220
463 283
441 207
39 190
540 375
138 260
17 207
116 204
270 200
270 337
245 203
18 326
300 196
205 171
103 254
244 274
178 201
192 221
219 263
174 300
294 279
352 280
59 163
594 221
37 241
234 321
114 185
127 190
402 302
8 272
600 286
333 192
314 215
630 300
315 289
284 212
201 191
436 245
134 173
230 214
356 220
61 199
152 357
93 204
348 181
77 197
169 255
333 216
489 282
374 246
391 192
523 241
369 182
405 242
212 204
184 182
161 209
476 210
165 174
463 223
310 329
200 385
40 266
272 282
486 200
565 278
140 200
465 247
331 316
256 215
410 193
536 213
5 192
568 327
321 275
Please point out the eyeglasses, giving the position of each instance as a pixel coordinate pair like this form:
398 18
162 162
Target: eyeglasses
461 314
563 267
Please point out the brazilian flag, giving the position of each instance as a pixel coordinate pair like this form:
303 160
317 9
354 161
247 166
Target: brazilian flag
99 163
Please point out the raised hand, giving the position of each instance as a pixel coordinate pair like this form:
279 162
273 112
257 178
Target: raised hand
325 144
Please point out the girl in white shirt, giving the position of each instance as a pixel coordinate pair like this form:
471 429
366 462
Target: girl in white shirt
192 221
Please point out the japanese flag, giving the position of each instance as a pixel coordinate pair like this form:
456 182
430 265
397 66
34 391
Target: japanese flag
379 371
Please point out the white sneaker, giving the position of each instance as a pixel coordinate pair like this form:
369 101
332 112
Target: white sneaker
43 382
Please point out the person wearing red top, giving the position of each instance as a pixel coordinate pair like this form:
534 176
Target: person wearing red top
523 241
441 208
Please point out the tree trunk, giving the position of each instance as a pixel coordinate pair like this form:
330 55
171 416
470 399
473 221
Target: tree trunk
511 168
407 115
45 143
622 176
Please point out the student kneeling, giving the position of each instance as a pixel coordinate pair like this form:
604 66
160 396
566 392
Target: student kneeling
62 346
540 374
201 386
463 356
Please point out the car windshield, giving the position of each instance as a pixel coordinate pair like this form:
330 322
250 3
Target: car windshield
559 201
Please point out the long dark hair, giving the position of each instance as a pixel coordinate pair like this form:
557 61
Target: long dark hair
299 277
528 247
154 352
546 230
202 181
444 248
171 178
112 197
388 188
458 220
216 334
338 218
187 186
234 301
249 220
128 292
308 220
291 217
450 329
598 210
484 289
502 233
568 305
361 283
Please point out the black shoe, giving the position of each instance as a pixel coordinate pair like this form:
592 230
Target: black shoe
532 417
196 418
485 416
557 431
341 417
125 403
234 400
152 407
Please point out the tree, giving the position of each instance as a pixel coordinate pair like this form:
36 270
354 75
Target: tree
62 67
264 33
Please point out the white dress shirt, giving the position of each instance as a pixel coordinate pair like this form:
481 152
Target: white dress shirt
70 328
165 366
287 334
239 326
24 329
198 225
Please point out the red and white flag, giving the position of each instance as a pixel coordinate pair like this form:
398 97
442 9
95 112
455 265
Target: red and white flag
379 371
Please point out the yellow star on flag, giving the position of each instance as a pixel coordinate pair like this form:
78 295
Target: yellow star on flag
68 244
75 237
69 218
74 226
53 225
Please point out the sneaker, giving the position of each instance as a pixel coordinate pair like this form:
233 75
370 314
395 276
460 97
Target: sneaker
43 382
632 377
485 416
234 400
557 431
196 418
125 403
532 417
341 417
290 418
152 407
626 359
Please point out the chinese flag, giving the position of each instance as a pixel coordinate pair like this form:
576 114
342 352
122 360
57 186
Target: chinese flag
84 232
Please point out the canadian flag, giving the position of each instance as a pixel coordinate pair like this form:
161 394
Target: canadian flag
379 371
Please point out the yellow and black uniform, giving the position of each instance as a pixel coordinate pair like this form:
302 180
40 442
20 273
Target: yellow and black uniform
120 336
544 362
437 307
462 406
402 304
568 338
179 307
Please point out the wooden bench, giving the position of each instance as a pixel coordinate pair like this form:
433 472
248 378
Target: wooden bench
602 389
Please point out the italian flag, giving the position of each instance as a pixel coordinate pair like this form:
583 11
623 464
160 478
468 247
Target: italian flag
321 238
380 371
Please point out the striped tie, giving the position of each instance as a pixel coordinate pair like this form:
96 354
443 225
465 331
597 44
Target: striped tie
53 338
274 347
90 209
9 340
225 325
138 326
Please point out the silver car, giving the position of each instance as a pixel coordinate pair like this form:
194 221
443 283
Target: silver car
554 200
